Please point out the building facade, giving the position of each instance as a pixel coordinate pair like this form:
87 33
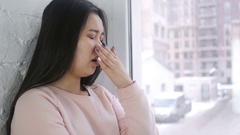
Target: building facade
200 34
157 77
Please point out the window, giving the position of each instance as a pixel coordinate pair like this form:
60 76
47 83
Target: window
175 17
175 1
202 32
176 34
210 34
148 90
188 66
124 35
157 6
156 30
202 10
203 65
202 22
239 6
177 66
163 87
186 14
213 10
228 42
214 53
203 54
227 32
222 74
228 52
163 32
228 64
186 34
186 44
227 7
177 55
202 1
176 45
207 10
208 43
214 64
227 18
229 80
239 10
188 55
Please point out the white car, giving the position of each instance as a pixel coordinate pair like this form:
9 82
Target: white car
170 107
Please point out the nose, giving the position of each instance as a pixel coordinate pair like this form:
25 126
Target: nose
103 43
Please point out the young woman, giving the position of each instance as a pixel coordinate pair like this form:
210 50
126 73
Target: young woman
57 96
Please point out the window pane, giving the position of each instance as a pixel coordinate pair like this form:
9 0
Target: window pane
199 59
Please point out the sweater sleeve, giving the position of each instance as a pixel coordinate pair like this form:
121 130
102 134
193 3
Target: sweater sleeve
36 114
138 114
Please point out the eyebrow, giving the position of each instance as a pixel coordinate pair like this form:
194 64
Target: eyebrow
96 31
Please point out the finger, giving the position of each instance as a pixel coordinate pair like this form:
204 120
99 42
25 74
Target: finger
104 59
114 51
107 53
103 66
105 47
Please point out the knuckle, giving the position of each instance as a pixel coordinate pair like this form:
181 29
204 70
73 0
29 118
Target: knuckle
108 55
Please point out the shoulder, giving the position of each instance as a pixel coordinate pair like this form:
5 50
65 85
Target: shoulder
37 111
40 95
102 92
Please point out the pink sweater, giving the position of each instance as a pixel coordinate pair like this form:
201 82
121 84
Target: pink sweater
48 110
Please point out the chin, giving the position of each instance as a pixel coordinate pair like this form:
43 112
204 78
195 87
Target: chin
89 73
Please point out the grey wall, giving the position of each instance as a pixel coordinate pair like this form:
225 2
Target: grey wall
19 25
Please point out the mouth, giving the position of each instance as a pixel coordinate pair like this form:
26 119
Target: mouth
95 61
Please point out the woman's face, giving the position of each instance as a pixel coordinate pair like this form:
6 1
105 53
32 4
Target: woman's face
85 59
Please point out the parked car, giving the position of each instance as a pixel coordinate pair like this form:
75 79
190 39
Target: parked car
170 107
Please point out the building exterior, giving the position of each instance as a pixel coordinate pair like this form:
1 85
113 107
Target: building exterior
200 37
197 88
182 37
191 38
157 77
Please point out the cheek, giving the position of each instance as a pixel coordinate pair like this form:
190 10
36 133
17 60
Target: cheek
87 45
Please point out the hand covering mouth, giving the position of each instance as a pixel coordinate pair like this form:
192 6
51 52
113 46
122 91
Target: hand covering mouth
95 59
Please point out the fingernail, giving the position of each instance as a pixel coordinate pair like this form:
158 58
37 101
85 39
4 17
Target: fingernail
99 59
97 49
104 44
113 48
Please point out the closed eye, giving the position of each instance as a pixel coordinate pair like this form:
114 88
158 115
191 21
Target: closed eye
91 37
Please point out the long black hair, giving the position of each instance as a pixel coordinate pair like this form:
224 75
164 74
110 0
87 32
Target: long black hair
62 23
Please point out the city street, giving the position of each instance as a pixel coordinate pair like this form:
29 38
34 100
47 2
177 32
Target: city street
214 118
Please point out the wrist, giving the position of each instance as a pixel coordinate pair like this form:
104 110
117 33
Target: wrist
129 83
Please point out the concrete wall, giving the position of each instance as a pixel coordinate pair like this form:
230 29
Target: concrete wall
19 26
